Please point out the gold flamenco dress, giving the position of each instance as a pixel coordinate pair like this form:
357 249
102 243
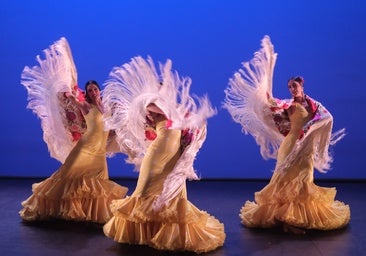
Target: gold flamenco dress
80 189
177 226
291 197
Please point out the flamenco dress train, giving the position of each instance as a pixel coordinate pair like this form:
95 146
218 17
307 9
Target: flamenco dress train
291 196
179 225
80 189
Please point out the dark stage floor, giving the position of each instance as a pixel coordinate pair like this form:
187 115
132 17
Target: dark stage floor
223 199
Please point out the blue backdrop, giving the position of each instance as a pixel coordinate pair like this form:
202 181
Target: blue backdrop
324 41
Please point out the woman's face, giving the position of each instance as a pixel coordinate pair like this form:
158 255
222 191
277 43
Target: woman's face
296 89
93 92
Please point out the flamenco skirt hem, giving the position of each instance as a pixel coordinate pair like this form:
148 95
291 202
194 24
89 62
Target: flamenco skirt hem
81 199
305 206
179 226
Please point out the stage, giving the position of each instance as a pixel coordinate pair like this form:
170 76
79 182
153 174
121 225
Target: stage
221 198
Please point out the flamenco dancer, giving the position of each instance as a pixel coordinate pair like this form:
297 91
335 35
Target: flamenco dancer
297 132
73 129
163 129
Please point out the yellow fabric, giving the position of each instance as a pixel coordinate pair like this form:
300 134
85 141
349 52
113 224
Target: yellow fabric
178 225
291 196
80 189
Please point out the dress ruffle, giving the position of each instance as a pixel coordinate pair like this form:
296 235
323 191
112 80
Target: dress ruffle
178 226
78 199
297 203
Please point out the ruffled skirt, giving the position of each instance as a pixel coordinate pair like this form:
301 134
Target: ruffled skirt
77 199
179 226
297 203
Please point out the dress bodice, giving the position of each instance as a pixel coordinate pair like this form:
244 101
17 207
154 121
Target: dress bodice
160 159
95 138
299 117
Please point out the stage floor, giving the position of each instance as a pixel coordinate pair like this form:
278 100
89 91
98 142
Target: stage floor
222 199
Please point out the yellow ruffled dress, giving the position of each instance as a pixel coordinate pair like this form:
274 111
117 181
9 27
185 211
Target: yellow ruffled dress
80 189
178 226
291 196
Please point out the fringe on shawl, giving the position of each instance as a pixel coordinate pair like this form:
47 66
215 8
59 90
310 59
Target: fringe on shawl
130 89
316 142
248 99
56 73
183 170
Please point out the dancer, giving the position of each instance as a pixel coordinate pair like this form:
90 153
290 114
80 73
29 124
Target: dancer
297 132
73 129
158 213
